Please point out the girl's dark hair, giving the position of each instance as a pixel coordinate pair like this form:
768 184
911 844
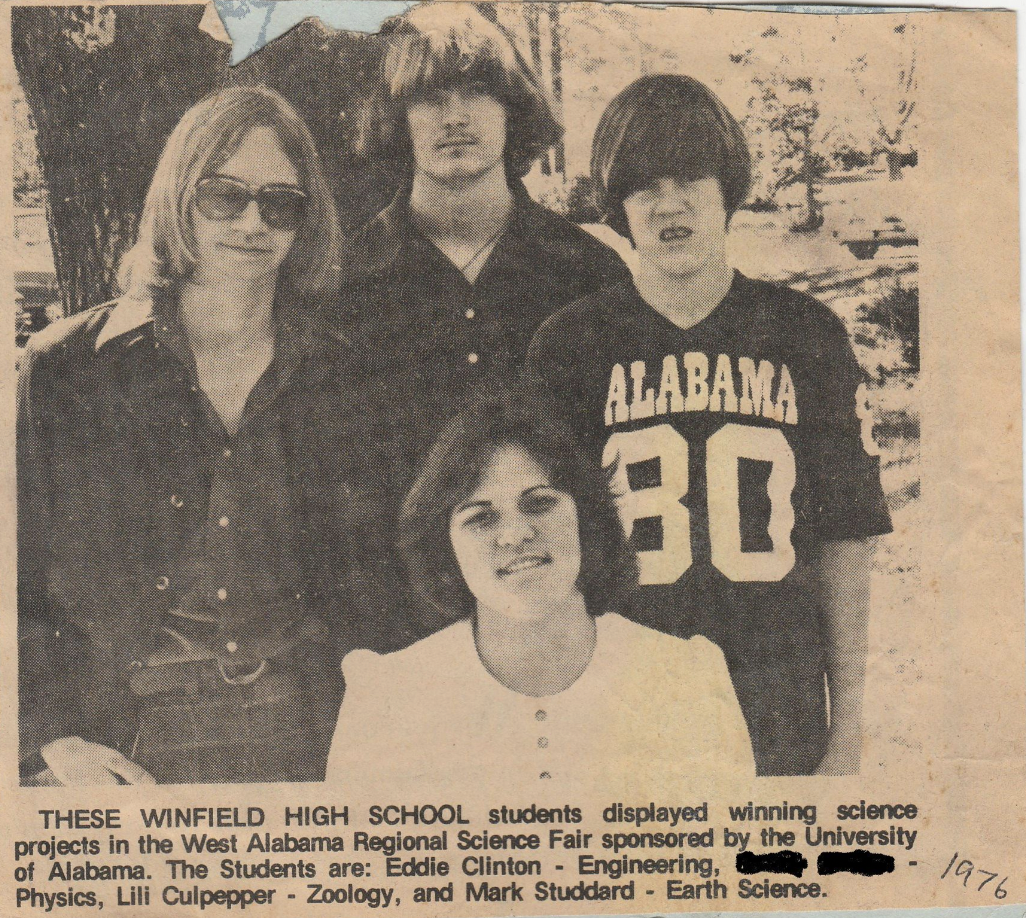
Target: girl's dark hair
609 567
446 46
666 126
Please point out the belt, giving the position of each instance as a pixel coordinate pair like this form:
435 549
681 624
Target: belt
179 662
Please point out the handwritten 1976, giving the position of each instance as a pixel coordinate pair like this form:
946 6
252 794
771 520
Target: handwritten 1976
965 870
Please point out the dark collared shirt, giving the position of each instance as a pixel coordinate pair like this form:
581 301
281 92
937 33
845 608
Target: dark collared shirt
429 339
139 511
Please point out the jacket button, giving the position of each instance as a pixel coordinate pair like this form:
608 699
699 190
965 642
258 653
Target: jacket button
544 775
231 647
176 501
162 583
542 742
540 715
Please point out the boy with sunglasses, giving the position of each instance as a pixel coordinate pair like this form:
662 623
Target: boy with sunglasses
730 408
170 518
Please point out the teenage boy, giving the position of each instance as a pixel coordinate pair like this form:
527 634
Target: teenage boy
729 408
445 288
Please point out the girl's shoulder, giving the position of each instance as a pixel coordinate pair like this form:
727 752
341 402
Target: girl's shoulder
443 648
621 629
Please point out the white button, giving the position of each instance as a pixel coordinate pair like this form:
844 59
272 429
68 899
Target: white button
223 522
231 647
472 358
227 453
176 501
222 594
469 313
162 583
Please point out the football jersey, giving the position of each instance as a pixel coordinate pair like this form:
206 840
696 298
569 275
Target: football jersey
739 445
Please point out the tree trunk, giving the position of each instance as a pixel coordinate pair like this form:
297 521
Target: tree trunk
534 36
894 165
813 218
106 86
559 151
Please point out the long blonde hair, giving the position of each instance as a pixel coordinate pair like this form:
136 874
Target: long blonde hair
207 136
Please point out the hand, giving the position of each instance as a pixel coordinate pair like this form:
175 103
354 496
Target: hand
76 762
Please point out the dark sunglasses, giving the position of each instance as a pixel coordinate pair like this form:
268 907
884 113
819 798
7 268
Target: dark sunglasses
281 207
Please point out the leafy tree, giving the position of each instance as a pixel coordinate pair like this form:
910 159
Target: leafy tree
782 121
892 103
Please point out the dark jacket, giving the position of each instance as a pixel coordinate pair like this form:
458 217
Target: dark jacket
108 467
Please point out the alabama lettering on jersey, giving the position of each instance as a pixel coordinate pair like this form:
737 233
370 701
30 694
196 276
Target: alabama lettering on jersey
739 445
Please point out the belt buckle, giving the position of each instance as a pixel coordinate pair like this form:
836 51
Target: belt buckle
245 678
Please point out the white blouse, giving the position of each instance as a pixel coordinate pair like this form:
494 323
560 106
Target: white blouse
651 712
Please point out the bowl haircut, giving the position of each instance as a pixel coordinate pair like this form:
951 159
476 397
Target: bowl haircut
666 126
439 47
609 568
208 136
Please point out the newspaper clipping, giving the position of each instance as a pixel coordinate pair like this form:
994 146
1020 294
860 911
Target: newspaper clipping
492 459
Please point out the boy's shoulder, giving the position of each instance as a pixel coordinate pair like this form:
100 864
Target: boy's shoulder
597 314
785 306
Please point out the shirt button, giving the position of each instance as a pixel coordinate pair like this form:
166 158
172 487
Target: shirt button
544 776
227 453
540 715
222 594
472 358
231 647
543 742
176 501
469 313
223 522
162 583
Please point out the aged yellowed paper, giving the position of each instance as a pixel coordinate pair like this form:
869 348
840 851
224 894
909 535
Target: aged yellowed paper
533 458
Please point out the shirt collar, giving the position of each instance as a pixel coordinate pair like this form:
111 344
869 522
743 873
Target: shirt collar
128 315
399 230
297 332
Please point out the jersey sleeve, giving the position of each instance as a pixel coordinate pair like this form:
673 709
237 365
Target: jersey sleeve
846 497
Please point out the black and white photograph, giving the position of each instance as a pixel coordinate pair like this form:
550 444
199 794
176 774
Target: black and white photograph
506 401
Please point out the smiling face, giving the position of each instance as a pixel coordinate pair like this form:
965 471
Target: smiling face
679 227
457 134
246 248
516 538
